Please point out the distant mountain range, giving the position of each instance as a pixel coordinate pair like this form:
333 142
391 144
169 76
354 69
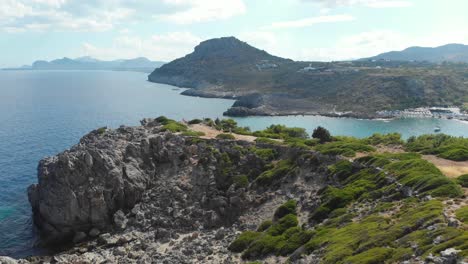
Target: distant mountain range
88 63
449 53
264 84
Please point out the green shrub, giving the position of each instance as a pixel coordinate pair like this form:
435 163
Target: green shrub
225 136
341 169
391 139
322 134
373 256
241 181
345 146
463 180
265 140
320 213
191 133
295 238
242 131
265 153
282 132
462 214
163 120
283 224
280 170
243 241
456 154
264 225
288 207
444 146
174 127
263 246
195 121
101 130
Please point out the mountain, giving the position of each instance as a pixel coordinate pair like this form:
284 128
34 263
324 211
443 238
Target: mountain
448 53
89 63
215 61
264 84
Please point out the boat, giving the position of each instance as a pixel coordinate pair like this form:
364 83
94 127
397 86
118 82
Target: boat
437 129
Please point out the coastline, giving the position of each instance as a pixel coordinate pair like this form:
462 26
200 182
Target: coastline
244 107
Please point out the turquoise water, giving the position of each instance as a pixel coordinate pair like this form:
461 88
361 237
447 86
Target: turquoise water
43 113
362 128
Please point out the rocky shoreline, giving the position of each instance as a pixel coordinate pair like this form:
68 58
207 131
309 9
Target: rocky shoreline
142 194
256 104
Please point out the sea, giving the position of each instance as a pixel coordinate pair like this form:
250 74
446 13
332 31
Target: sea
45 112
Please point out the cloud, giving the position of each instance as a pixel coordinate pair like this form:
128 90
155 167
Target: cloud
371 43
102 15
367 3
306 22
164 47
58 15
195 11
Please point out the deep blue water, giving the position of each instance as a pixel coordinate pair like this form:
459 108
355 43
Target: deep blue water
43 113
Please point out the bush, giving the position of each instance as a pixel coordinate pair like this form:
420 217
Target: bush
163 120
341 169
241 181
462 214
457 154
463 180
373 256
391 139
101 130
225 136
191 133
444 146
288 207
174 127
322 134
345 146
264 140
282 132
264 225
281 169
242 131
263 246
243 241
283 224
265 153
195 121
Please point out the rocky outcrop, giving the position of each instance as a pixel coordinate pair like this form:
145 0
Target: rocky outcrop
165 180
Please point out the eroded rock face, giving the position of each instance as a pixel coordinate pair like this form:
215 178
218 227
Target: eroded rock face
138 193
165 179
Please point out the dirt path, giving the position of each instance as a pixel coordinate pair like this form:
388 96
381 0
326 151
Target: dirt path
451 169
212 133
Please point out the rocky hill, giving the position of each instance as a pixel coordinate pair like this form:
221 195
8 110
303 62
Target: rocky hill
230 68
159 194
446 53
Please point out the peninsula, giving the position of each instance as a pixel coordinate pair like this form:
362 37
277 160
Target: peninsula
264 84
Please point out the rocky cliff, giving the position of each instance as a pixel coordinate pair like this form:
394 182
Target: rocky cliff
150 185
146 195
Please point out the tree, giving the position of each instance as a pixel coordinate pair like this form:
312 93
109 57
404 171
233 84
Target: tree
322 134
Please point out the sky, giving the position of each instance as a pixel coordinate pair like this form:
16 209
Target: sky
164 30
